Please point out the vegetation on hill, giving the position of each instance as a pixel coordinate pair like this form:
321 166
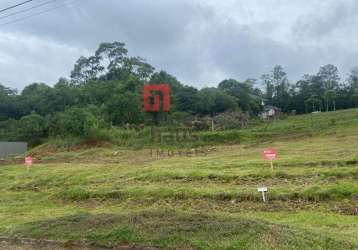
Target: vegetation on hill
105 92
300 126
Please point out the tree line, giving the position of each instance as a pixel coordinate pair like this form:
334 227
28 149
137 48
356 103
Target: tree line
105 90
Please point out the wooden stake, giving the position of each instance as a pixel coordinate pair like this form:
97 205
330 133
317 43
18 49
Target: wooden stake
271 166
263 196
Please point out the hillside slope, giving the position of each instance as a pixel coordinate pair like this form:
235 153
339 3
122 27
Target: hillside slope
111 196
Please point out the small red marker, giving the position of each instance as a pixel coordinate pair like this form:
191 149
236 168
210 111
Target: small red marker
270 155
28 162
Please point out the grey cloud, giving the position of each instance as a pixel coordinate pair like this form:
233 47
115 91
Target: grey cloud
335 17
200 42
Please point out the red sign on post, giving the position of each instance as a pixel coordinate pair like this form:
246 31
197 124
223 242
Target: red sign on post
149 91
28 162
270 154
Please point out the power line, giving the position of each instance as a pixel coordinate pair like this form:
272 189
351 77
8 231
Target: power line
16 5
35 14
25 10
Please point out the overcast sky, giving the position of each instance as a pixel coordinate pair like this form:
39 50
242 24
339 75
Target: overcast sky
201 42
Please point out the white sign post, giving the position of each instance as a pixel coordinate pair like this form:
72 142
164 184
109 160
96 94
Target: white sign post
263 190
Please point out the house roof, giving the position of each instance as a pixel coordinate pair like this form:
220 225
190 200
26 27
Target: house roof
269 107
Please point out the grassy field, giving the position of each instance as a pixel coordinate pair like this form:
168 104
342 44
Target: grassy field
113 196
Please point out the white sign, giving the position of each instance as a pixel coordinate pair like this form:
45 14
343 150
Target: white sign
262 189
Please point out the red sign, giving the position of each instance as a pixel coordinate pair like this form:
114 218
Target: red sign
28 160
270 154
152 91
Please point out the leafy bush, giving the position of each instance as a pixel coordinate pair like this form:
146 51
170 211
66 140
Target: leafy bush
32 127
10 130
231 120
74 121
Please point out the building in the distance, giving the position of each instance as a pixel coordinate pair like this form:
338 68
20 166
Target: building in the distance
270 112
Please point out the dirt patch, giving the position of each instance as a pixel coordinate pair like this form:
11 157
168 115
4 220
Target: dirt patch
91 144
35 244
346 209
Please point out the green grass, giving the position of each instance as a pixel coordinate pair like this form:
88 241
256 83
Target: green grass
113 195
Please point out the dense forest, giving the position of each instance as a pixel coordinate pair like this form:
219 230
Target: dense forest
105 91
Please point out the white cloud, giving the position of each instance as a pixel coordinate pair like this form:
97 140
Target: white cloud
26 59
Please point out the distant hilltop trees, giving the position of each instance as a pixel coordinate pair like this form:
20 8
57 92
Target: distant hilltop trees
105 90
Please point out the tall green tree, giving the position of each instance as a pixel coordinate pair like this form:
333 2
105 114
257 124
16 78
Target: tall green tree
184 98
247 96
37 97
110 62
9 106
212 101
330 78
277 88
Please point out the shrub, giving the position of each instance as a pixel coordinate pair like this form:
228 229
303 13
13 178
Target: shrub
231 120
32 127
74 121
